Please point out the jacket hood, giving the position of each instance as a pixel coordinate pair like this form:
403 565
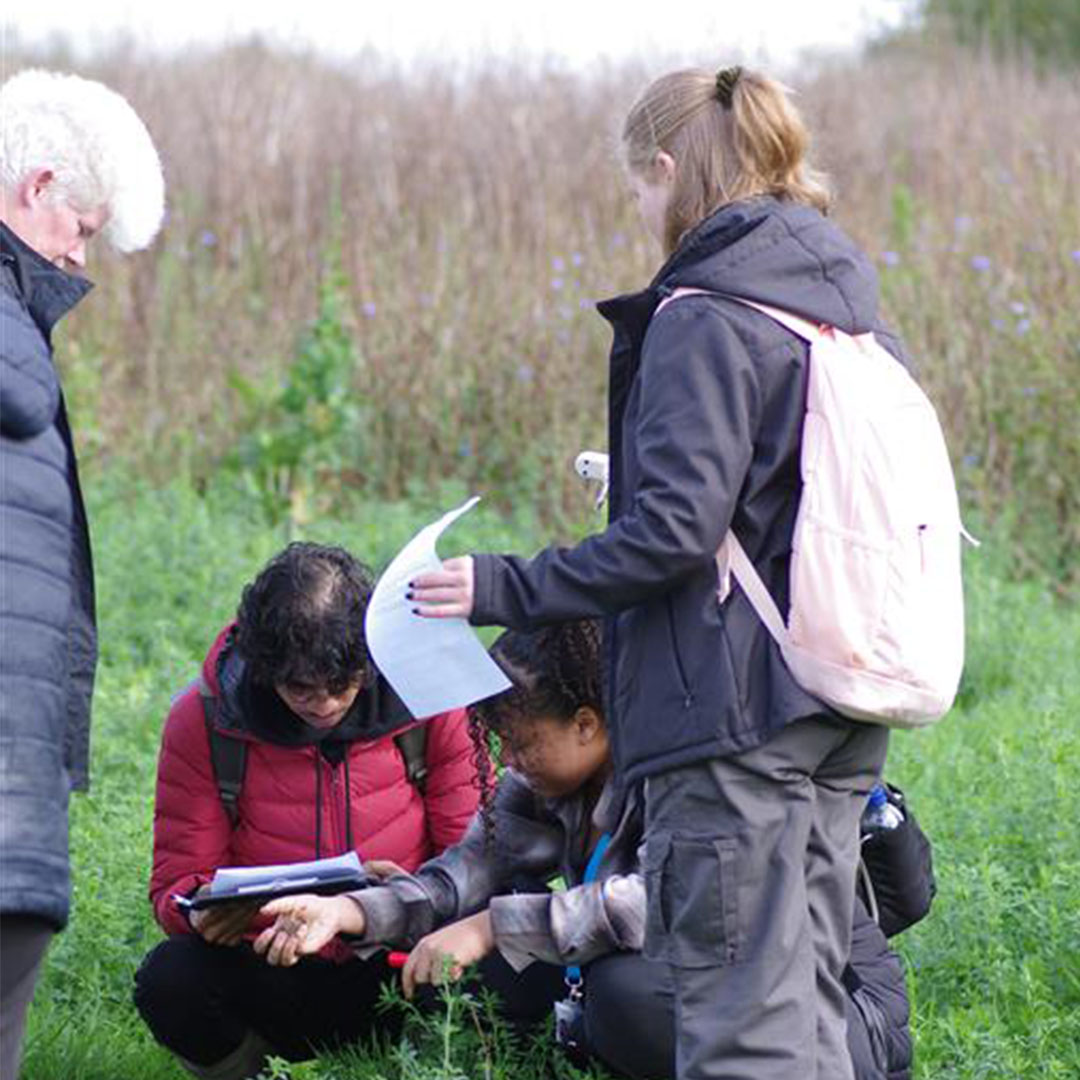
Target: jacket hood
49 292
777 253
258 713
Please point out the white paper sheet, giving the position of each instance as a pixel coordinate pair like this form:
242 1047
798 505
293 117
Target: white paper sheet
432 664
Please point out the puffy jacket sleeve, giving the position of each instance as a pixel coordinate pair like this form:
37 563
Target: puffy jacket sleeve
31 389
451 794
700 404
191 830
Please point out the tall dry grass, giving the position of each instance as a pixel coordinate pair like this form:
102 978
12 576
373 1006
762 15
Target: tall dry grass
482 213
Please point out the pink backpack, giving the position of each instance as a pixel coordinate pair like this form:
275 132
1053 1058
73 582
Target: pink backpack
876 621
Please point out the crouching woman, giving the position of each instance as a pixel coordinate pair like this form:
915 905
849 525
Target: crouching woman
290 747
557 811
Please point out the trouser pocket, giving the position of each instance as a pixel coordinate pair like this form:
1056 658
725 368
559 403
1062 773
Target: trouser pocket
692 916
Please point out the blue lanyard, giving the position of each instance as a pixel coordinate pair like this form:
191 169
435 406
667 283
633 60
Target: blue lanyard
573 972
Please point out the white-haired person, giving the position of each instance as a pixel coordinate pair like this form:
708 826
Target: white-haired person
75 161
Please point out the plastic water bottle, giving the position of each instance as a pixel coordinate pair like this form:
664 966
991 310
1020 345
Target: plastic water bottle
880 815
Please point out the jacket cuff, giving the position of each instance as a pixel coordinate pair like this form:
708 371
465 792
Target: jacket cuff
384 916
521 926
173 918
483 590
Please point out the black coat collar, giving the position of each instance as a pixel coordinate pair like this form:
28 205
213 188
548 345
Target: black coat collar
48 292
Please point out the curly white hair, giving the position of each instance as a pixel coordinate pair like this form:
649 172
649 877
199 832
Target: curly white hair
94 143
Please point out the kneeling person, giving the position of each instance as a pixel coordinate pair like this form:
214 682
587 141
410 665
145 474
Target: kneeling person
327 760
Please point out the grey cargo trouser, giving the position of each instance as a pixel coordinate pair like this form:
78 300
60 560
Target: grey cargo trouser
750 875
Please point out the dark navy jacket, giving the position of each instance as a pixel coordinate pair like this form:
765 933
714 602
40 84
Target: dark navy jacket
706 403
47 633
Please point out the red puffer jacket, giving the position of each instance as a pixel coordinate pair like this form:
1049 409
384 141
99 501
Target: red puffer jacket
295 803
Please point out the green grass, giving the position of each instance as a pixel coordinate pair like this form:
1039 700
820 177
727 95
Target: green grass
994 971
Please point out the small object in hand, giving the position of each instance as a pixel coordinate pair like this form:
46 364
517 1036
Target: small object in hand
593 465
397 959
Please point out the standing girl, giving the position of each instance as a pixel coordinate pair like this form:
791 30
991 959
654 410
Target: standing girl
753 788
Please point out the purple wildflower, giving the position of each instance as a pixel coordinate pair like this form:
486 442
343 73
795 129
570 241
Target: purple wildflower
971 460
525 373
577 258
980 263
556 283
208 238
558 264
1017 307
1076 256
890 258
1023 326
369 309
962 223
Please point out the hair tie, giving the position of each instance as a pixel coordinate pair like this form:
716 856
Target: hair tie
725 84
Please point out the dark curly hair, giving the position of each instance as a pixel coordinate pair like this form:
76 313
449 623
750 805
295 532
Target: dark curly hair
302 619
555 671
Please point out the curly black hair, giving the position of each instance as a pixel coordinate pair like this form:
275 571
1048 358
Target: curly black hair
555 671
302 619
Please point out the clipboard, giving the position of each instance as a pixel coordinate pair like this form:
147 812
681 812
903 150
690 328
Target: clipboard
244 884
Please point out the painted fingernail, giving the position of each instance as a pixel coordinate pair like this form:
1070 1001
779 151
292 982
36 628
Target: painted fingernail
409 595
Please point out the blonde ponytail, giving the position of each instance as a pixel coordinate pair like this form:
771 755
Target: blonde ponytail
733 134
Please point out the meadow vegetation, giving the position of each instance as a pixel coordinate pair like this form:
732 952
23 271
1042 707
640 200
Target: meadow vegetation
467 219
374 295
994 972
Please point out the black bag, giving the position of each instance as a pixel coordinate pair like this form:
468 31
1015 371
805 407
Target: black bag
899 881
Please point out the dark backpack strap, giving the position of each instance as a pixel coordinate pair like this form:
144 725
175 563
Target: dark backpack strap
228 757
412 743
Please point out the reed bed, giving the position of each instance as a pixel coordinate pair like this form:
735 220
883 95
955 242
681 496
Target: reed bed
480 212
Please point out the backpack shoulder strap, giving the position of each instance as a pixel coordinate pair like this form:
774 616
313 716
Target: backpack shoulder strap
412 744
732 557
799 326
228 756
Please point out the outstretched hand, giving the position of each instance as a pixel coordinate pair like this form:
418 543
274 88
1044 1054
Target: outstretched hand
447 593
448 952
304 924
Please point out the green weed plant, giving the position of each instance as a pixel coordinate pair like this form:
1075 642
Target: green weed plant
298 434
